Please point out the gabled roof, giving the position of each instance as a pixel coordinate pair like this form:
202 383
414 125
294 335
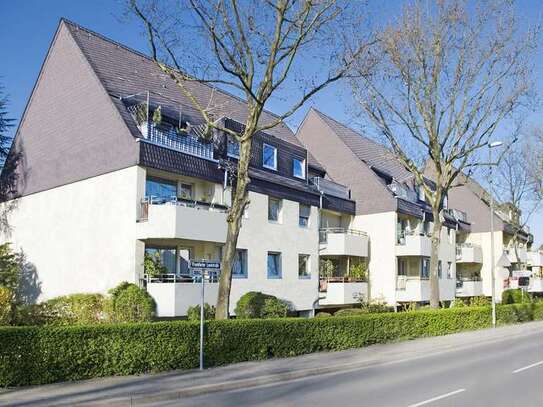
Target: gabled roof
372 153
124 71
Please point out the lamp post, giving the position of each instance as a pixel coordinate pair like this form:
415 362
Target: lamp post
492 145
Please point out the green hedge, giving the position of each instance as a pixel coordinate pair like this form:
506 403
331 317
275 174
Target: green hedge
37 355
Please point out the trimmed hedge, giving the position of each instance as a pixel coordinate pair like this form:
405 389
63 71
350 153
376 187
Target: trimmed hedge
38 355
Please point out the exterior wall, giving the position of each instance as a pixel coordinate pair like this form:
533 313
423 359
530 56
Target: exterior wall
80 237
486 269
259 236
71 130
381 229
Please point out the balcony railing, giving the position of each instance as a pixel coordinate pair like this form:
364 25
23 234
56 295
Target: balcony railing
323 233
402 191
458 214
331 188
189 203
167 136
212 277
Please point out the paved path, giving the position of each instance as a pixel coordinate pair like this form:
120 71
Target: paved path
489 367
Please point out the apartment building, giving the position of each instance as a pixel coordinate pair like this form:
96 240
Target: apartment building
390 208
110 166
513 256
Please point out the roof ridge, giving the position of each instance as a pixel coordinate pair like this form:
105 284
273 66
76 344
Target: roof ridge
130 49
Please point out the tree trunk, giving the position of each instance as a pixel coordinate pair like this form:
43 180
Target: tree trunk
434 260
235 214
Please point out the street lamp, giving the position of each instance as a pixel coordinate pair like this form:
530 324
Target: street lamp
492 145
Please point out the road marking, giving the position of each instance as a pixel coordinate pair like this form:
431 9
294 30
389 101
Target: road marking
528 367
452 393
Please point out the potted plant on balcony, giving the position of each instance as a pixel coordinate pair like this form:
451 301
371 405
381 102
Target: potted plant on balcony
152 265
157 116
326 270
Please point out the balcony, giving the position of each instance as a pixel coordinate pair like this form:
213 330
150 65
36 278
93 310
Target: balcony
167 136
413 245
331 188
342 291
536 285
518 255
472 287
469 253
535 259
181 219
417 289
343 242
175 294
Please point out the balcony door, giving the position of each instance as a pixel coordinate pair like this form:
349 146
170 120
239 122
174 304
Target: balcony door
185 254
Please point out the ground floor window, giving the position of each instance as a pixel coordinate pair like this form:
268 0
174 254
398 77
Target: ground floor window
303 266
163 256
449 269
439 269
274 265
425 268
239 269
402 267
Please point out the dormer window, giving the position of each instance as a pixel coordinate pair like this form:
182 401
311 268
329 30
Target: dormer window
298 168
421 193
269 157
232 148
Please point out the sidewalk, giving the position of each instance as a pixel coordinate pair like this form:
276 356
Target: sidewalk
137 390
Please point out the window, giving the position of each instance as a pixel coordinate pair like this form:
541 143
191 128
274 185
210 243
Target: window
232 148
439 269
402 267
239 269
185 191
425 268
166 255
420 191
160 189
274 209
269 157
305 212
298 168
445 202
274 265
303 266
426 227
449 270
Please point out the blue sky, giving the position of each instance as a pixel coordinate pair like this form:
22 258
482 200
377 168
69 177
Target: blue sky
28 27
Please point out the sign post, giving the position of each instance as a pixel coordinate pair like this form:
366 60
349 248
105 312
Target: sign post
204 266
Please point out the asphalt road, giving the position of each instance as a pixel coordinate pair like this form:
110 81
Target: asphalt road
505 373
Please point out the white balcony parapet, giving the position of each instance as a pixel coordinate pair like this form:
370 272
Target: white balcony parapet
174 299
414 245
416 289
536 285
469 288
182 220
342 291
343 242
469 253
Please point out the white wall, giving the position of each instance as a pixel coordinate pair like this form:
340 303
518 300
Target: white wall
484 239
381 229
80 236
259 236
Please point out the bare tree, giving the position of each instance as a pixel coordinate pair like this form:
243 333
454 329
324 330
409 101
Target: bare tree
518 183
259 50
447 79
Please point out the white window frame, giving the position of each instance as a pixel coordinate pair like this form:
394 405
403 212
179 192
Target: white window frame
300 205
244 264
279 211
279 265
302 162
274 167
231 141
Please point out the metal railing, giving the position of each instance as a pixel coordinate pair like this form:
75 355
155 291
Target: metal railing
323 232
401 191
331 188
189 203
165 135
213 277
458 214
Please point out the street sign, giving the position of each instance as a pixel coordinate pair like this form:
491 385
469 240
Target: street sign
521 273
204 264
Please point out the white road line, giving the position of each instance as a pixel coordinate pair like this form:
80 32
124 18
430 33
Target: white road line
528 367
452 393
